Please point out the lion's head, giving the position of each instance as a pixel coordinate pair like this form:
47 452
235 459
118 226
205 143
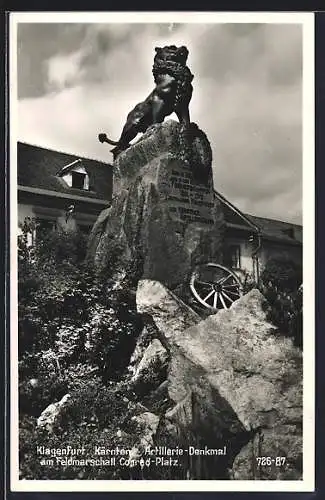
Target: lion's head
172 53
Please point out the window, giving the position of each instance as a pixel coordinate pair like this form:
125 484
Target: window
75 176
232 257
235 256
289 232
78 180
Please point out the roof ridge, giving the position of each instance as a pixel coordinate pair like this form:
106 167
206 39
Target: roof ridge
236 209
273 220
63 152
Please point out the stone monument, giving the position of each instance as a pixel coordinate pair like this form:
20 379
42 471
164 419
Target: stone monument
164 218
230 383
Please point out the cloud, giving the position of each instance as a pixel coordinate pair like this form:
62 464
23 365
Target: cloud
63 71
247 98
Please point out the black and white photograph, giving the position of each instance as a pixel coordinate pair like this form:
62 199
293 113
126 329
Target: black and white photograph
162 248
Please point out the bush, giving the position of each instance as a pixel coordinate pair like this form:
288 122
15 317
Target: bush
281 274
76 333
280 284
68 317
92 418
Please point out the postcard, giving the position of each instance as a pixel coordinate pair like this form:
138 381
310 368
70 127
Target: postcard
162 251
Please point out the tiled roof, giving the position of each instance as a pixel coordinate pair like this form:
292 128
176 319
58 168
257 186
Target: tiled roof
277 229
38 168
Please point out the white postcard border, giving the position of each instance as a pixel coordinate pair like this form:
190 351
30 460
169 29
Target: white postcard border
307 484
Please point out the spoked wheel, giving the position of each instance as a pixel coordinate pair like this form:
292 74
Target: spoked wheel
215 286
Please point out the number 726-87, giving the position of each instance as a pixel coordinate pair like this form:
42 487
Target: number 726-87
268 461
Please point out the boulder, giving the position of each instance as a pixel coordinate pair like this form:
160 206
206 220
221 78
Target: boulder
148 423
148 334
164 218
50 415
141 345
171 315
152 368
244 379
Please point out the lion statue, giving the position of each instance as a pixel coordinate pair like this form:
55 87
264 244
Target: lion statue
172 93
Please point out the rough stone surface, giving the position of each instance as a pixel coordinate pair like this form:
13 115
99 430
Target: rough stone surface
50 415
154 360
182 412
171 315
164 218
159 139
143 341
149 423
246 380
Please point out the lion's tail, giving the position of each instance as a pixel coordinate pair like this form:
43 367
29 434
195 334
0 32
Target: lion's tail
104 138
112 143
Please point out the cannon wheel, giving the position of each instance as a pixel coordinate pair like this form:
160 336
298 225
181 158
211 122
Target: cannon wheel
215 286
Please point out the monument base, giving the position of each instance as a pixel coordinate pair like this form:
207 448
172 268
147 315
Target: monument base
164 218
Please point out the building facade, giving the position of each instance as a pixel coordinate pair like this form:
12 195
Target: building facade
251 241
59 189
66 191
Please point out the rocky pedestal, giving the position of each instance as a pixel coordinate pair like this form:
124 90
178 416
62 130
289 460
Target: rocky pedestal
164 218
234 380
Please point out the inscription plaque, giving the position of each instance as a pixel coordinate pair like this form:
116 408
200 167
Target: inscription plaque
189 200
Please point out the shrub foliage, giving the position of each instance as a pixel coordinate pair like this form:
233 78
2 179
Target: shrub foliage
281 282
76 332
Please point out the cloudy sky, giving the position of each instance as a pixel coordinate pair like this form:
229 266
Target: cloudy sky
76 80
